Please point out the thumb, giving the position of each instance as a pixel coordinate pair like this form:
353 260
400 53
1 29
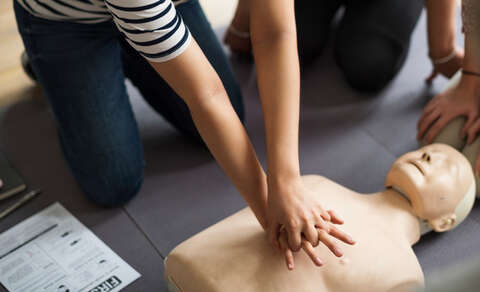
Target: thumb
470 120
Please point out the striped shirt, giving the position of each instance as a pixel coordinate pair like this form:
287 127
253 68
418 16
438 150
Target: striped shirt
152 27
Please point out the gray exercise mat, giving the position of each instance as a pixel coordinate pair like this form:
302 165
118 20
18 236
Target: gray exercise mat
349 137
28 137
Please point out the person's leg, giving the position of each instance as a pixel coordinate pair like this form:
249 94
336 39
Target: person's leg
373 40
313 20
159 94
79 68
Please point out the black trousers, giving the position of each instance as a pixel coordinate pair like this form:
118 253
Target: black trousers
372 40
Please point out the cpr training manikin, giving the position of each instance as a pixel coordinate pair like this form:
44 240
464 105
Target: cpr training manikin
432 188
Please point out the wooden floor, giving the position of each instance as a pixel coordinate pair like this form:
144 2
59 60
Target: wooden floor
14 84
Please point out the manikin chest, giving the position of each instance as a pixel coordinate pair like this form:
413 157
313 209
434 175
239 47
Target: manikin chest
234 255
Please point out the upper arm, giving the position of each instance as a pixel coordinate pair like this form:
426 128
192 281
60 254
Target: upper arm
152 27
191 75
157 32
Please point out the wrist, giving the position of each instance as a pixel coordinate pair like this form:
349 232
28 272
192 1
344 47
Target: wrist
256 195
443 44
470 83
444 54
283 180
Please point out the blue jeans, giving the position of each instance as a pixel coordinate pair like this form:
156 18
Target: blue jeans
82 69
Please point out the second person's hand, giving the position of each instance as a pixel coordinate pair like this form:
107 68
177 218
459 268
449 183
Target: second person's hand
461 100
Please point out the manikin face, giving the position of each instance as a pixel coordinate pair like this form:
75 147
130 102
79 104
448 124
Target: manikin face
435 178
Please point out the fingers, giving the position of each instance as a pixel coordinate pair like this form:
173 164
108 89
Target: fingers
273 234
437 127
289 260
321 224
328 241
311 234
335 218
431 105
342 236
294 236
310 251
470 120
429 108
427 122
472 131
325 215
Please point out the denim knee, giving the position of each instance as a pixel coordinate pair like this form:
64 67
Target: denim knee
112 190
108 181
370 64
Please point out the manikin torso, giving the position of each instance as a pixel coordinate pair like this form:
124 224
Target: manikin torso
234 254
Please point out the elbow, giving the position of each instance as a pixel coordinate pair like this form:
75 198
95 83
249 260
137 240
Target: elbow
207 96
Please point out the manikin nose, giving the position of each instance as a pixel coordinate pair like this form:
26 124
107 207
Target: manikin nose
426 157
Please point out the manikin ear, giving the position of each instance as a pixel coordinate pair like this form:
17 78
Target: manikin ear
444 223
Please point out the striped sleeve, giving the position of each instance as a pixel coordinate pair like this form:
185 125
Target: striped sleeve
152 27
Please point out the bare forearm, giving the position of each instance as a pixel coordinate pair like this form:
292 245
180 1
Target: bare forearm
276 57
441 26
228 141
195 80
278 78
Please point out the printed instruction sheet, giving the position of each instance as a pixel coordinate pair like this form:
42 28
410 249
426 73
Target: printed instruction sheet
53 252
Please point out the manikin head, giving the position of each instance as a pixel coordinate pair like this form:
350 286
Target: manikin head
439 182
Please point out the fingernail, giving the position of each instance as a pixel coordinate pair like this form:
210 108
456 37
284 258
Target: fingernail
338 252
319 262
351 239
290 267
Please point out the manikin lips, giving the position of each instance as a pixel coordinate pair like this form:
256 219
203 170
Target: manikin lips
418 166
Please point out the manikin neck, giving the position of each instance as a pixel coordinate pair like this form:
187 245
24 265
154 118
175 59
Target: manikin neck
423 224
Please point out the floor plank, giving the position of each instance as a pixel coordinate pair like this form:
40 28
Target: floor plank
13 81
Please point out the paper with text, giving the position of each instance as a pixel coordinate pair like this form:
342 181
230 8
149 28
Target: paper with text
53 252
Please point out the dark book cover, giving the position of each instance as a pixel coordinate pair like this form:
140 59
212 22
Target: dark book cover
12 181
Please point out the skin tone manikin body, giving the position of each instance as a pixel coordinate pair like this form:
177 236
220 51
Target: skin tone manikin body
432 188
